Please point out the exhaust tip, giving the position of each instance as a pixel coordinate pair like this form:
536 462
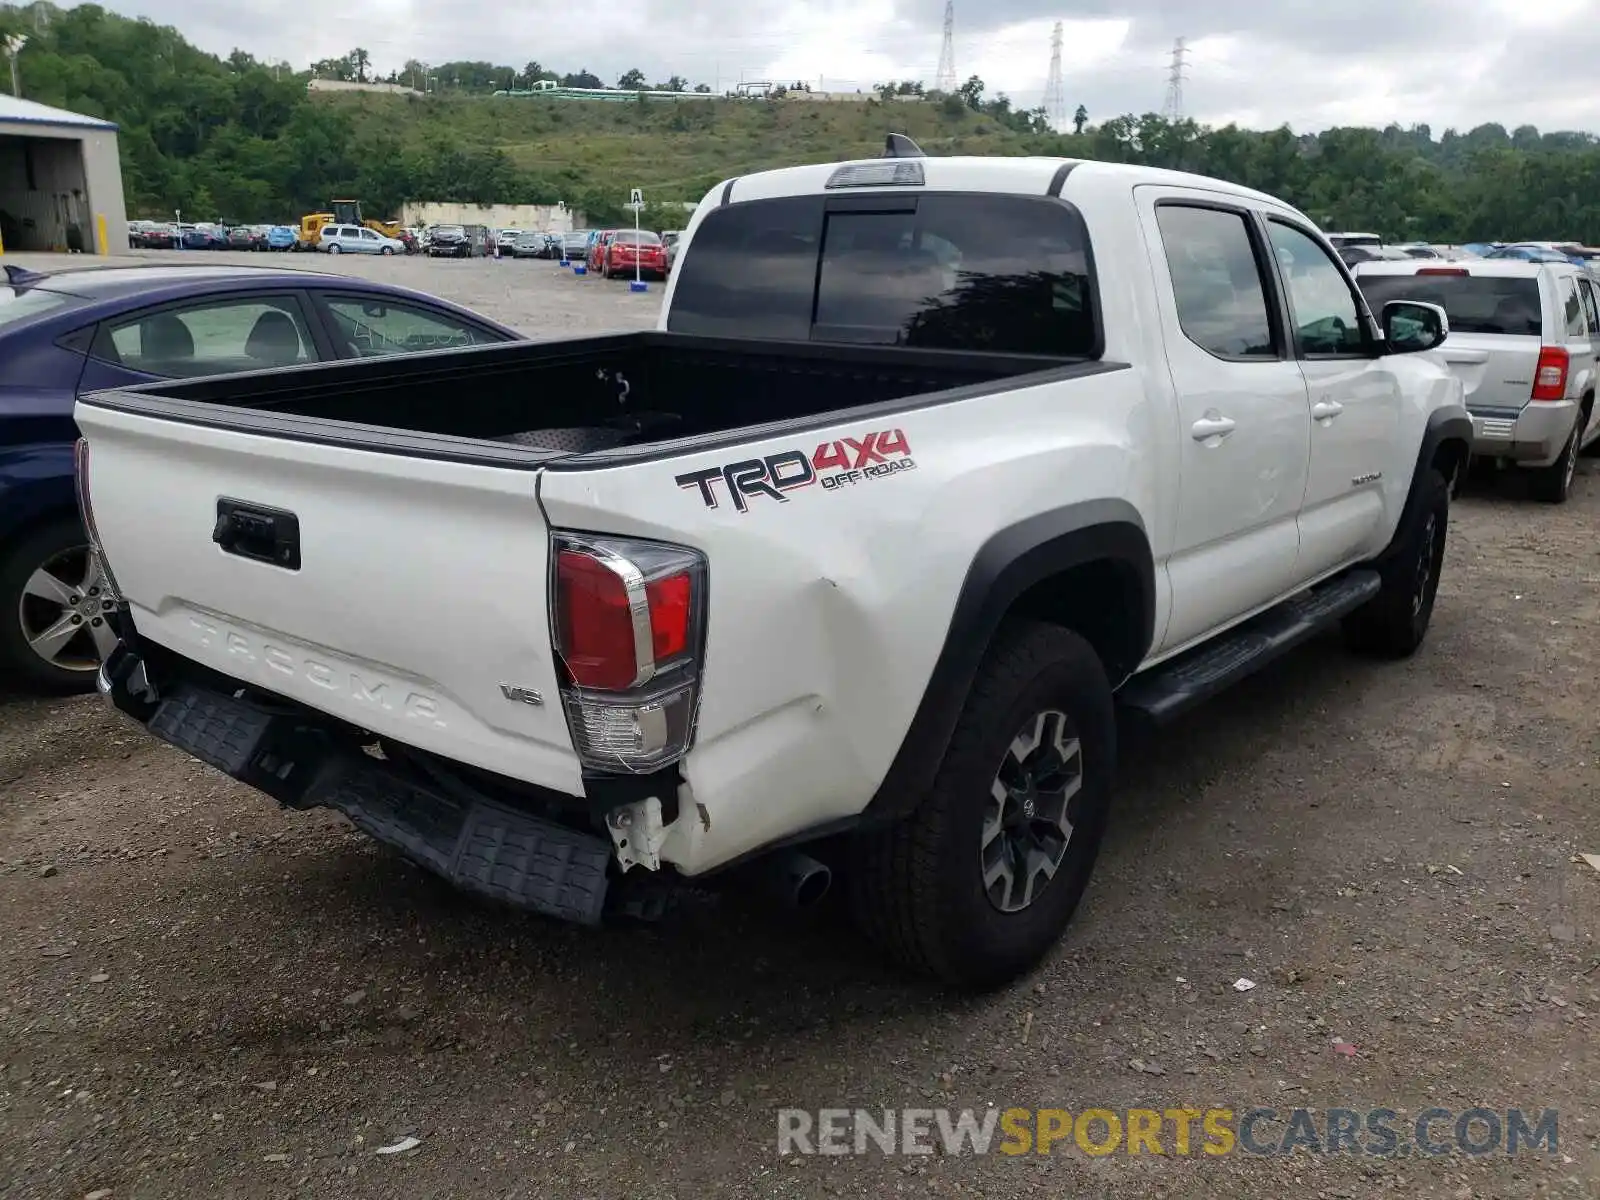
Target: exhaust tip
811 888
798 880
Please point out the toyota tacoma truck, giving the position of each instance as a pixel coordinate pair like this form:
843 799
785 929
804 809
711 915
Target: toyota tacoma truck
933 471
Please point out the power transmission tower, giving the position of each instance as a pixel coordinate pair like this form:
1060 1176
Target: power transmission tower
1055 92
1173 109
945 79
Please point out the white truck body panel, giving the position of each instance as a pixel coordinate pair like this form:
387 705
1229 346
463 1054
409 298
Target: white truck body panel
423 586
827 612
428 580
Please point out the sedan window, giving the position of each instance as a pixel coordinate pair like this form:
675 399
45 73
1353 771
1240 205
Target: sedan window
209 338
373 328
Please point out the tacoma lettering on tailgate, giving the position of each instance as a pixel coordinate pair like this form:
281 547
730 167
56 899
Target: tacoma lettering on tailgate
834 465
366 690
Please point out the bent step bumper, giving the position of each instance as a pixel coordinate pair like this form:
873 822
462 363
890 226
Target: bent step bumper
477 844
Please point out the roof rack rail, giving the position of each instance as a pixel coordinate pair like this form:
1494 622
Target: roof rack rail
900 145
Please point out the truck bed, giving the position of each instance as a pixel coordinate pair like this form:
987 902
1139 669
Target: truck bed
617 396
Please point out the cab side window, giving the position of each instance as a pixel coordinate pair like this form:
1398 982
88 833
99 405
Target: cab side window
1572 307
1216 280
1591 308
1327 319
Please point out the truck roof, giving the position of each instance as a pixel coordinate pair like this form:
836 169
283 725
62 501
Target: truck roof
1022 175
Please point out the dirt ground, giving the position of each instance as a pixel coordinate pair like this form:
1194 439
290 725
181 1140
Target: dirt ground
201 995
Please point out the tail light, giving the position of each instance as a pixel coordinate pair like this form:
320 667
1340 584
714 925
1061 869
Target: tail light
1550 377
1443 271
629 628
80 463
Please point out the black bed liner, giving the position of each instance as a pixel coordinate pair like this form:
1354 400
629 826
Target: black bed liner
597 401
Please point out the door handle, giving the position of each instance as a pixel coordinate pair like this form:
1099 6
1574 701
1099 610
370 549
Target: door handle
1212 425
1326 410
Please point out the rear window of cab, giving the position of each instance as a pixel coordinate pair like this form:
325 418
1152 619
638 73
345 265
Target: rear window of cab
945 271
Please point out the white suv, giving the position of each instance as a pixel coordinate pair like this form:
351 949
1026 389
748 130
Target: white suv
1525 341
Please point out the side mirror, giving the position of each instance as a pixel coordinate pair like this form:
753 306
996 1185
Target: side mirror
1410 326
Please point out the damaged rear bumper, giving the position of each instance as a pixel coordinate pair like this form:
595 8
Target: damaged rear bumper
306 760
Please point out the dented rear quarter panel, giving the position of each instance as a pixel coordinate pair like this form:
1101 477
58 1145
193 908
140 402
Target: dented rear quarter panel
828 607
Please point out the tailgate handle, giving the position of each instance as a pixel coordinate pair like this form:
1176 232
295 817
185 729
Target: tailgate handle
268 535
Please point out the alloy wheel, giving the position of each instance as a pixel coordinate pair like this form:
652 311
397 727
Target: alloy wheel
66 609
1028 820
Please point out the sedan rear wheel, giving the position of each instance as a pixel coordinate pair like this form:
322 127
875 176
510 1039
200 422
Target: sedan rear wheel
56 610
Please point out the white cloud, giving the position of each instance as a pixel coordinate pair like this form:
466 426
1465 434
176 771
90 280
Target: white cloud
1303 62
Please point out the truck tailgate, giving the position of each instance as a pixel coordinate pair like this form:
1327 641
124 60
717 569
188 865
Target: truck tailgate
430 578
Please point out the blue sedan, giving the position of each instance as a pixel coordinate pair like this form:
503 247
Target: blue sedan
74 330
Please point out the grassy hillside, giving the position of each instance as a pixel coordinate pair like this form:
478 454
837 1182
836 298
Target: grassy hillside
674 150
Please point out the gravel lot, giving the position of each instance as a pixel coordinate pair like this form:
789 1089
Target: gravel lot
203 996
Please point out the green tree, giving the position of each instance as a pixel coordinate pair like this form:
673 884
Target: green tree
238 136
631 80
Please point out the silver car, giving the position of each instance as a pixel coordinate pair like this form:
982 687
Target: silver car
1525 342
357 239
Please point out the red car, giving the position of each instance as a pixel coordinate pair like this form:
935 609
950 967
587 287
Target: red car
597 250
629 250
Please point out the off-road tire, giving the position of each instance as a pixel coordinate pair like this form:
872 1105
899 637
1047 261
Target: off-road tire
1393 623
916 886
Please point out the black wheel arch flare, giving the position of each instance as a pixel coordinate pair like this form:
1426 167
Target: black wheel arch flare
1005 568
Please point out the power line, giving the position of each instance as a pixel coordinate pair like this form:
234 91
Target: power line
944 78
1173 108
1055 92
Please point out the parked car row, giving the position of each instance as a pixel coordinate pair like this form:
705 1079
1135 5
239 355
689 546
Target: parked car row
607 252
206 235
1357 248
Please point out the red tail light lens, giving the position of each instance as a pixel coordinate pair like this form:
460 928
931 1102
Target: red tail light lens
670 602
628 621
1443 271
1550 377
597 636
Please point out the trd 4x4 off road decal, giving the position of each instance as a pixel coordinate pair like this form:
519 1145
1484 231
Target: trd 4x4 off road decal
833 464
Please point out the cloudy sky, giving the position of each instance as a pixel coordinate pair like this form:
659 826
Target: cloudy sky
1258 62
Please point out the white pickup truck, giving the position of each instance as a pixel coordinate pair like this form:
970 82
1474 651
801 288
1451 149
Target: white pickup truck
931 464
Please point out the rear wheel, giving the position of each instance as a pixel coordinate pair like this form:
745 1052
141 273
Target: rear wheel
55 609
980 881
1553 484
